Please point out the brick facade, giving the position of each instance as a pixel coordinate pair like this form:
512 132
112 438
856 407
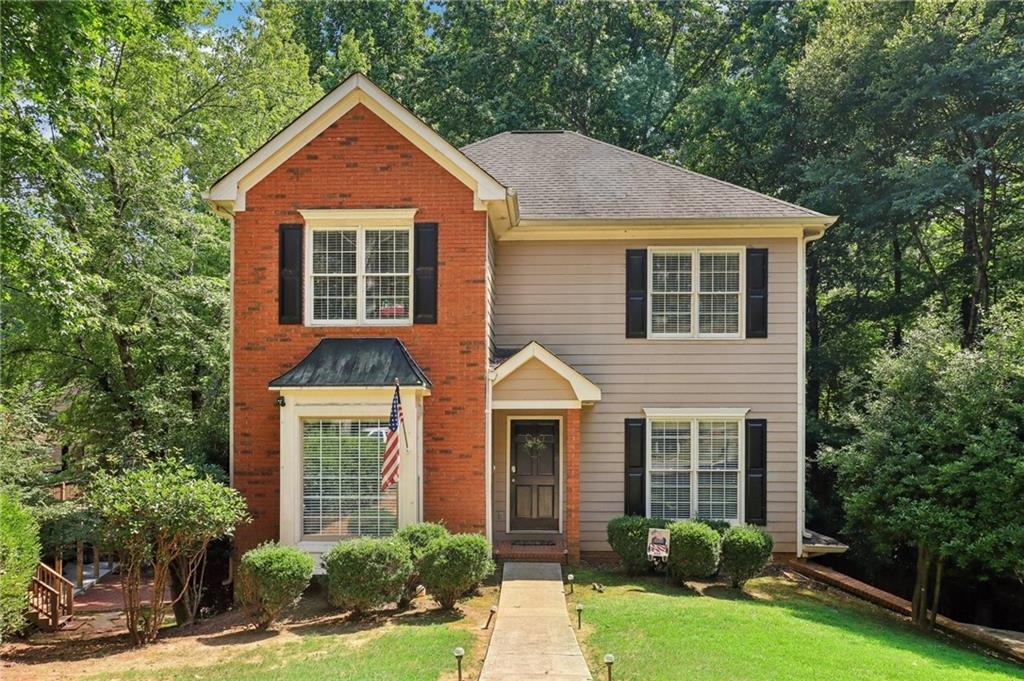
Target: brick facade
572 484
361 162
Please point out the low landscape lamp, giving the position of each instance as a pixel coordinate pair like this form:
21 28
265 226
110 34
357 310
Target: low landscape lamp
609 660
458 653
579 615
572 579
490 616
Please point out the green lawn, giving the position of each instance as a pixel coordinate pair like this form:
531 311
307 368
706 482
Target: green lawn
403 653
776 630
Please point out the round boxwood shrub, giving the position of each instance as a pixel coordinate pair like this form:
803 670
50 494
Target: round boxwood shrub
271 578
363 574
627 536
19 554
746 550
719 526
694 550
417 536
453 565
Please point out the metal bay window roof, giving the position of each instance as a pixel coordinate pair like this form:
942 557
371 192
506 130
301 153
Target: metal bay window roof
354 362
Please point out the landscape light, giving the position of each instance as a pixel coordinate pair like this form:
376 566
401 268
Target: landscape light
579 615
490 616
572 578
609 660
458 653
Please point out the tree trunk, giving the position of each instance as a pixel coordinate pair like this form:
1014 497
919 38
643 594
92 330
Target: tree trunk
937 589
897 290
919 606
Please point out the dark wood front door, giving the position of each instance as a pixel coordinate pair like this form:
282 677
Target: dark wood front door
535 497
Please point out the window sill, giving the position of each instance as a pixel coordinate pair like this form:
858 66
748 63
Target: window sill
403 322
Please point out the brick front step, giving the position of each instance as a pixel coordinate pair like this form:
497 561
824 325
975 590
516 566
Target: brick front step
531 552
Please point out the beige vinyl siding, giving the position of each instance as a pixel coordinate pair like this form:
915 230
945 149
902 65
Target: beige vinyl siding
533 381
570 296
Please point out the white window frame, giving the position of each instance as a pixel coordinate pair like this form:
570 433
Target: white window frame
737 416
314 538
360 275
695 253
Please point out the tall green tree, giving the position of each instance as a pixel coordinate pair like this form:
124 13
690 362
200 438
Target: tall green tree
115 273
937 457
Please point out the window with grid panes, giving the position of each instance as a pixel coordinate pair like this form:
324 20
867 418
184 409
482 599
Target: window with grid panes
694 293
718 299
361 275
694 468
341 495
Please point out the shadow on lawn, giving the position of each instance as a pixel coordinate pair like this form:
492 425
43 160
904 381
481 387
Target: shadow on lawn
863 623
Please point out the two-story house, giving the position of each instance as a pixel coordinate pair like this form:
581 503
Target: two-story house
579 332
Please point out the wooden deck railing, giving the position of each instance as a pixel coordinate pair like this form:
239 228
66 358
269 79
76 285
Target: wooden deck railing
51 597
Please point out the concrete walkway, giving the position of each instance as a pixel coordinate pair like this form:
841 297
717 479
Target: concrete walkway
533 638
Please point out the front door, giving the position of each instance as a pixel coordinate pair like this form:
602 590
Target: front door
533 475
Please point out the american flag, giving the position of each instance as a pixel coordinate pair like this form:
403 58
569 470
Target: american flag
389 466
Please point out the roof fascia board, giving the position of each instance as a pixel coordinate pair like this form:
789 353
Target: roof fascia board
585 390
598 234
353 390
356 90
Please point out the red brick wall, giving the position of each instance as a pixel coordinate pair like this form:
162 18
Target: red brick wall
361 162
572 484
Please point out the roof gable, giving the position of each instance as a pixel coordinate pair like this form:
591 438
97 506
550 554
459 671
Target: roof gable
228 193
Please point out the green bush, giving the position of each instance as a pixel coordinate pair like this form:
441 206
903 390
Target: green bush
694 550
363 574
746 550
19 554
719 526
417 536
627 536
453 565
270 579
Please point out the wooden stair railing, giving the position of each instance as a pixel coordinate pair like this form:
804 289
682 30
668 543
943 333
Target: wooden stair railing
51 598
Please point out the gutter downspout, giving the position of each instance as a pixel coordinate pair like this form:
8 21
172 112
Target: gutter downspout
801 443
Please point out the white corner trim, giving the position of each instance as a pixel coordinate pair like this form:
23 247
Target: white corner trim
586 391
229 191
690 412
536 404
374 217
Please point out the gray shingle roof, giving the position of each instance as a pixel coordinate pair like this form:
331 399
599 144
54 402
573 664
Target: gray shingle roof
354 362
561 175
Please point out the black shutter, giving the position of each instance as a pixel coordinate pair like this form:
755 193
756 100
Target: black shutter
636 461
636 293
289 292
756 496
424 291
757 293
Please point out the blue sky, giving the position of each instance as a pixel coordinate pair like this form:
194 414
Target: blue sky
230 15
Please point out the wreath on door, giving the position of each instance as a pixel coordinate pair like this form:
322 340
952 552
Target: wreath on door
534 444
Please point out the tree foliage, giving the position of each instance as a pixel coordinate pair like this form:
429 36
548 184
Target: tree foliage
159 514
937 457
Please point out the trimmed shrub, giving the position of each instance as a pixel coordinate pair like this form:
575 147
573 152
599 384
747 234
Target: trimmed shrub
719 526
453 565
746 550
627 536
19 554
417 536
271 578
363 574
694 550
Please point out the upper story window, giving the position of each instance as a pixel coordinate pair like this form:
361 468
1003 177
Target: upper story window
695 292
359 275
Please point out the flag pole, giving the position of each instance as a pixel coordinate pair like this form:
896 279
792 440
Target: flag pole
401 419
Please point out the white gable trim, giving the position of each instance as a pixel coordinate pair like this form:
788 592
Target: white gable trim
585 390
230 190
